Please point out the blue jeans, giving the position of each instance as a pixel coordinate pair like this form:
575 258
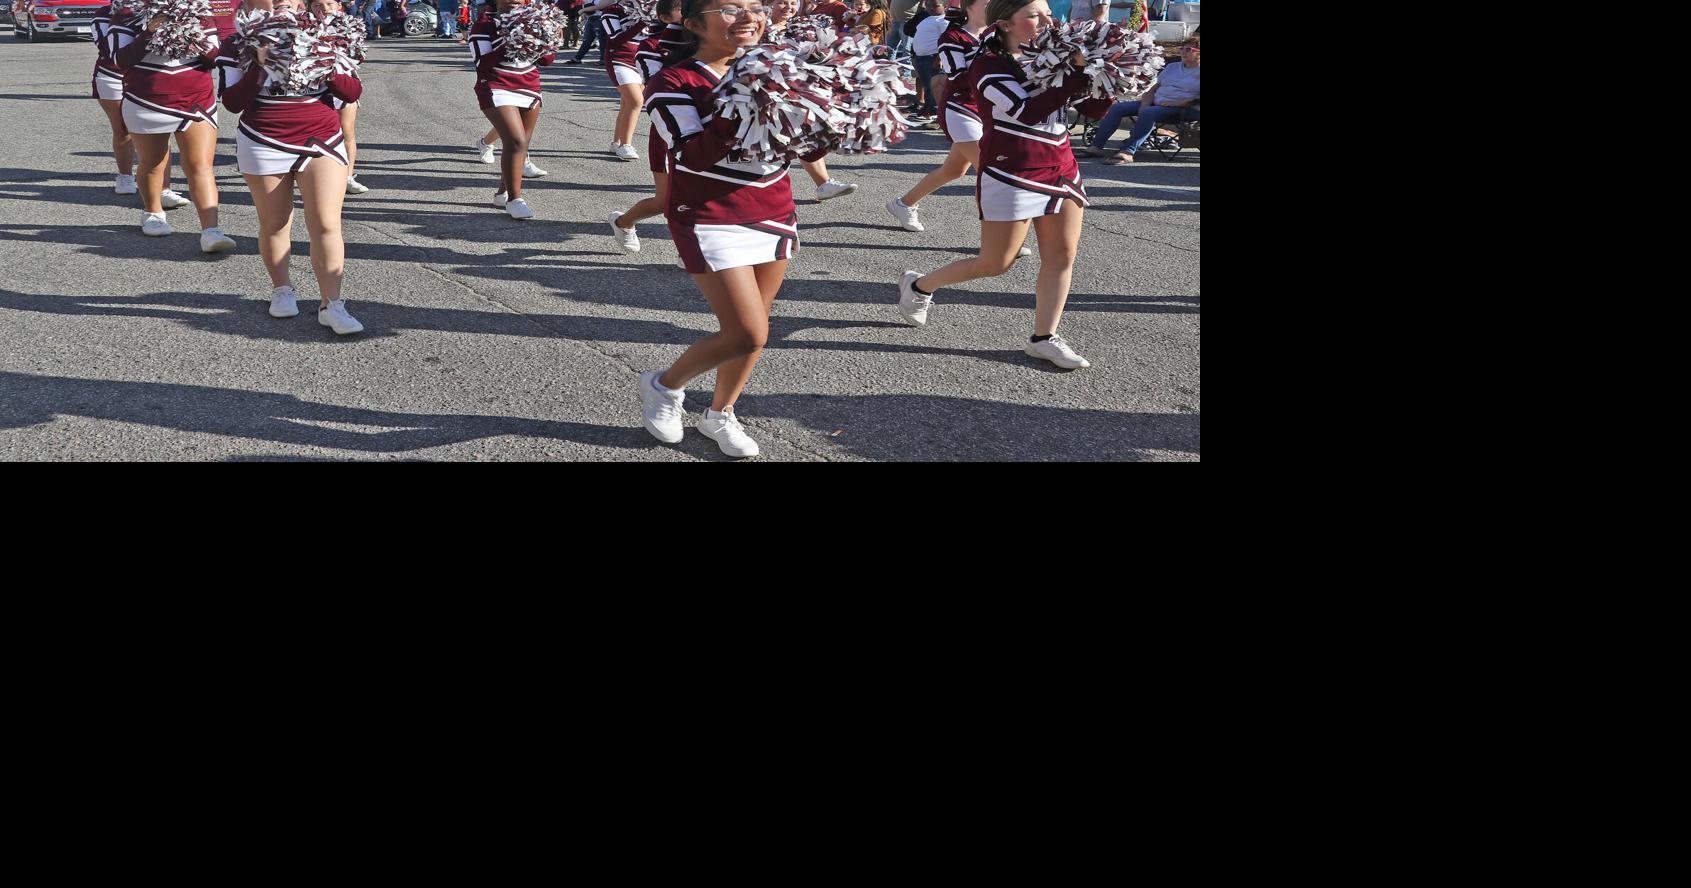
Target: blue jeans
448 18
1148 119
373 16
926 68
591 26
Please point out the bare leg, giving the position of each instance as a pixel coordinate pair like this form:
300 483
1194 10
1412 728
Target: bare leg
628 116
818 170
322 189
736 296
1000 242
956 166
1059 241
508 120
155 161
198 146
273 197
732 375
651 206
123 149
349 125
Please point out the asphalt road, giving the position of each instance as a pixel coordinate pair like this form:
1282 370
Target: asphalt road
494 339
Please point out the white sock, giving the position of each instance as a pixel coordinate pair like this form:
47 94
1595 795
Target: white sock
660 387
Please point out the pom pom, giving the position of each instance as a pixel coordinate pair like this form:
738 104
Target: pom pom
816 91
1121 62
531 32
180 35
302 51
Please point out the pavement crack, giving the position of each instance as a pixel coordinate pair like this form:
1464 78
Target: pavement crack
1137 237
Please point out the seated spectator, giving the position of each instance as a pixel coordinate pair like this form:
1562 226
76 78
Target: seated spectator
1174 98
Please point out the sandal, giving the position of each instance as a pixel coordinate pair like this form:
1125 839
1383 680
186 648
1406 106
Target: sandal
1122 159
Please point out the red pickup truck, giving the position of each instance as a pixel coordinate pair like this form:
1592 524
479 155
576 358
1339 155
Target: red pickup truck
42 19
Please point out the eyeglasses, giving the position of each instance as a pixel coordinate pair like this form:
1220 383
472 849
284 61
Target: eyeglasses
732 14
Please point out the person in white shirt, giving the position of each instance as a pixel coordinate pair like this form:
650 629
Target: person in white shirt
926 49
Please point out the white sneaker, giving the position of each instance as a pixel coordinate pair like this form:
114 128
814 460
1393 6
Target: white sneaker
170 200
284 302
660 409
906 216
1057 352
627 238
154 225
530 171
485 150
353 186
125 185
1023 253
215 241
725 429
913 306
831 188
625 152
499 200
336 318
519 209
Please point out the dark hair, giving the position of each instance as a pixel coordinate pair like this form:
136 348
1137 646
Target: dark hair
997 11
692 9
666 7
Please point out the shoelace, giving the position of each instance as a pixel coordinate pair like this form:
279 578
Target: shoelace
732 424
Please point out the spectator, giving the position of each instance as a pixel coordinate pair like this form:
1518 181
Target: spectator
926 48
871 19
447 21
832 9
1174 98
592 10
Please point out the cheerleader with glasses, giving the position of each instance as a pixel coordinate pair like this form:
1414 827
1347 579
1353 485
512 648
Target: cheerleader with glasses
290 136
733 223
1028 175
165 95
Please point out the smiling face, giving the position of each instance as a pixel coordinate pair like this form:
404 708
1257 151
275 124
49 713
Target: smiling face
1027 23
724 26
781 10
287 5
325 8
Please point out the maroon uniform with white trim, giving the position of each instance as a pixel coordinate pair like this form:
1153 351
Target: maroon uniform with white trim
280 133
162 95
498 81
1027 167
721 214
108 78
621 39
962 118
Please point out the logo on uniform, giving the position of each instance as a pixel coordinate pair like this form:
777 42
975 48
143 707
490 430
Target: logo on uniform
684 209
1002 158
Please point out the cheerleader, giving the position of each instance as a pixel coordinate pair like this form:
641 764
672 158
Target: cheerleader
960 117
733 224
621 32
1028 173
662 40
348 111
108 91
162 96
509 94
781 13
484 146
285 140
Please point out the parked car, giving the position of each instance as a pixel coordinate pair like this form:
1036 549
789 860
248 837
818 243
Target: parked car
57 18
